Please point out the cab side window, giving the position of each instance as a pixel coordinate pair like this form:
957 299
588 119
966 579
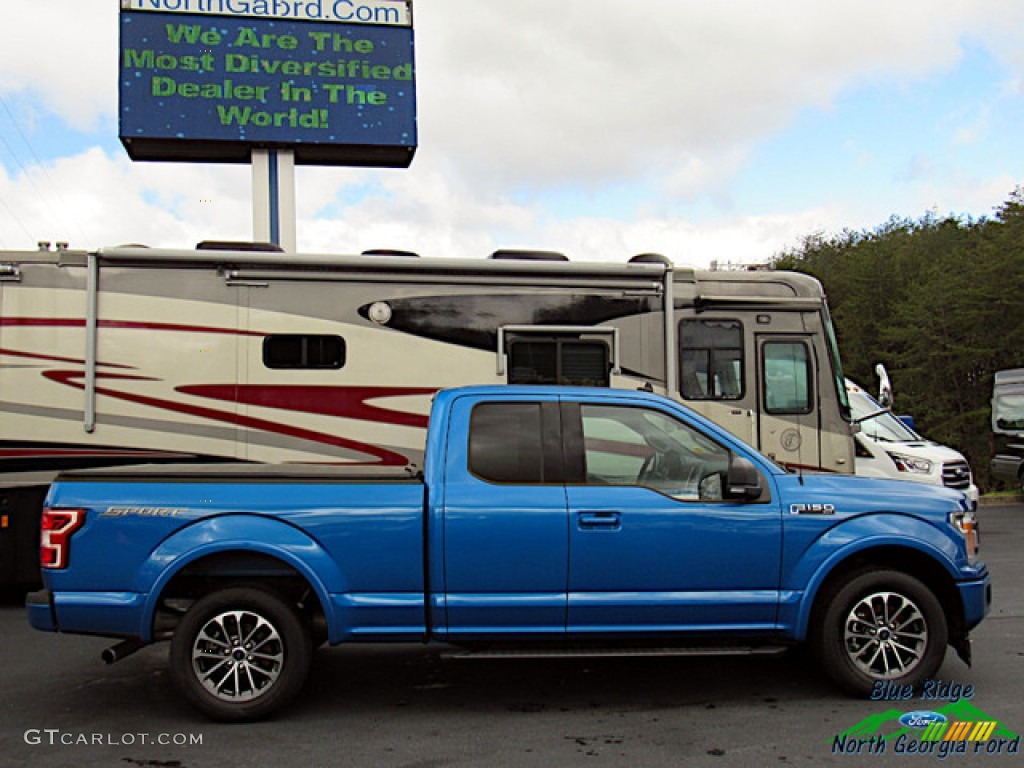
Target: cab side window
505 443
641 447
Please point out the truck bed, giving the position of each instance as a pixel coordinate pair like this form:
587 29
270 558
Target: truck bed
248 473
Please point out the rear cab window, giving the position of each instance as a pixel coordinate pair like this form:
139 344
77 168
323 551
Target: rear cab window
505 443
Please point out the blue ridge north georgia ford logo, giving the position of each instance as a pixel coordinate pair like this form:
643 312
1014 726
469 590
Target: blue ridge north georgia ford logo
922 719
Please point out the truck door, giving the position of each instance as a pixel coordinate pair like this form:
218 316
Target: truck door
788 411
504 521
653 545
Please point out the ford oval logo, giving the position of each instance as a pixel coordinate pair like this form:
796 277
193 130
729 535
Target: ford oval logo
922 719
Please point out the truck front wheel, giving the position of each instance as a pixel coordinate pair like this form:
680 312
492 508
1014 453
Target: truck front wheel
881 626
239 654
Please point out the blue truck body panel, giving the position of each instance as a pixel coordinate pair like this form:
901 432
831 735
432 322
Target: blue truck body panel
458 557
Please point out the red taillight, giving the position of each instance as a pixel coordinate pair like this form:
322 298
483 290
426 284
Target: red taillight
55 536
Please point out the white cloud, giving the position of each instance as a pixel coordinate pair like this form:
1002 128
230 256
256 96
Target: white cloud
522 104
423 212
973 193
179 205
92 200
428 212
531 93
65 51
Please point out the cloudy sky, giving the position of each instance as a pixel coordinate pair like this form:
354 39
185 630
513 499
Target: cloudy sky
701 129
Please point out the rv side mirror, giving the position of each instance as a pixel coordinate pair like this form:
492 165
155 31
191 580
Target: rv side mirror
744 481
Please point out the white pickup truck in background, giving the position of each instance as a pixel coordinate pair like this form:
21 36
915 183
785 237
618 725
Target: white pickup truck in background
887 447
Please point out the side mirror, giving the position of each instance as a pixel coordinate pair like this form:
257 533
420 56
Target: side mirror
744 481
885 396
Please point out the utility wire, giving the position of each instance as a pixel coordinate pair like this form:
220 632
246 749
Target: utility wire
68 217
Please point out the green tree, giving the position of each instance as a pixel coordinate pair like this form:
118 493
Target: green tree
940 301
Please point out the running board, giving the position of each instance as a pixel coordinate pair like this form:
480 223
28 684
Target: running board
583 652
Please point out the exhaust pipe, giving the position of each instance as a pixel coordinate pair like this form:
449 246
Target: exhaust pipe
120 651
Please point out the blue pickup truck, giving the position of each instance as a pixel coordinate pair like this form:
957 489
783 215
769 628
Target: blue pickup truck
543 518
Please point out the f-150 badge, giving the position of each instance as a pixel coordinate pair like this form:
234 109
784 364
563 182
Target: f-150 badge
812 509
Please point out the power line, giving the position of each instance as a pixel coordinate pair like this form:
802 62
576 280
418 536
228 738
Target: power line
31 177
14 216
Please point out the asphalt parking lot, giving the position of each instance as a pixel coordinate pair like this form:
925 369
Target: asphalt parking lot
410 707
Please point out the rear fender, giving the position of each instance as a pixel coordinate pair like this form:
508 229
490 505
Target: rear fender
239 533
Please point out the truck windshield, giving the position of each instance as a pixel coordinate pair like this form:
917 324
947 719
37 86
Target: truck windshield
881 425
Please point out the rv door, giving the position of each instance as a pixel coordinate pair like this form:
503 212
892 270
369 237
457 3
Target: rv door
714 373
788 417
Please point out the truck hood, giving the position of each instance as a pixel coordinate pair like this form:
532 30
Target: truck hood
849 495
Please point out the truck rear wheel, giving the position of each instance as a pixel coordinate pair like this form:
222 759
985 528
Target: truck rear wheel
881 626
240 654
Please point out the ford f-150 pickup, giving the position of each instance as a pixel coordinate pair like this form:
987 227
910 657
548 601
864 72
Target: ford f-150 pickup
543 517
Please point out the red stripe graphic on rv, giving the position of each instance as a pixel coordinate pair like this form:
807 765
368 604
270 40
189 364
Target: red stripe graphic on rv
77 322
343 402
73 379
52 359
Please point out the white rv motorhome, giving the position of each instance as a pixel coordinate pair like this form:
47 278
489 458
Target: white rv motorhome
137 355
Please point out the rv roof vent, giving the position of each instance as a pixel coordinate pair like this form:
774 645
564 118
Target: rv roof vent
530 255
390 252
238 245
650 258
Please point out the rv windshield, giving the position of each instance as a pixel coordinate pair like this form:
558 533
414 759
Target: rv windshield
837 364
881 426
1009 411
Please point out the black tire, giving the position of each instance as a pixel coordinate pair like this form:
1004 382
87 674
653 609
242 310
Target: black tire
240 654
880 626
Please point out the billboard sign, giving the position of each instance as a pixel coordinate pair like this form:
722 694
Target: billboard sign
392 12
209 80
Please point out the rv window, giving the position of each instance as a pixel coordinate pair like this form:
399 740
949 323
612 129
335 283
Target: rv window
303 351
505 443
1009 410
559 361
711 359
787 377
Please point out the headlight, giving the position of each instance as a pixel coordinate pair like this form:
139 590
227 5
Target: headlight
911 464
967 524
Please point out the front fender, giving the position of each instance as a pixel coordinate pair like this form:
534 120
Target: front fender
818 556
232 533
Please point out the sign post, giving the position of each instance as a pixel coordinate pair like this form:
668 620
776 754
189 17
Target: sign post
273 197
